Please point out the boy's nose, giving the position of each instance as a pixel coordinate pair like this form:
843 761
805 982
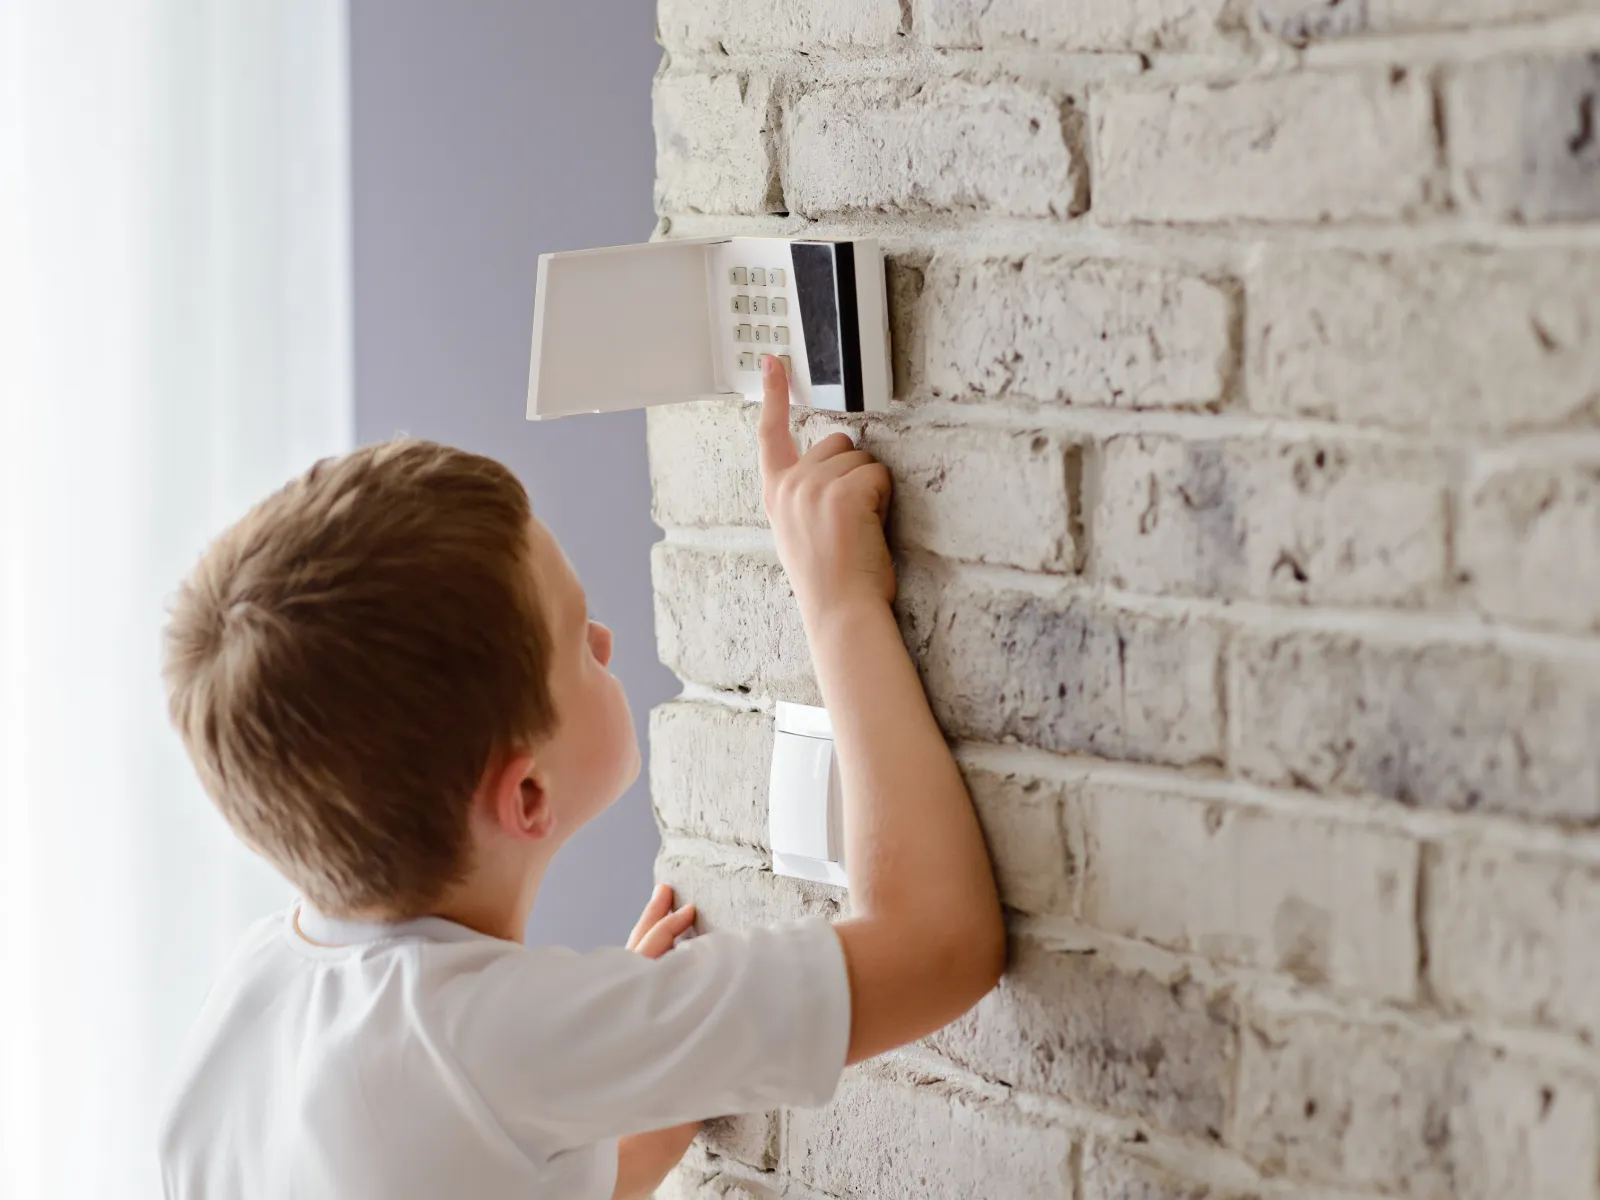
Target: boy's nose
600 640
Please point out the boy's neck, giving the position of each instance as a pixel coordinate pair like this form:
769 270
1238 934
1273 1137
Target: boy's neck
494 903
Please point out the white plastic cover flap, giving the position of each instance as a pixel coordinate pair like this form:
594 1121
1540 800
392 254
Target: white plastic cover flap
623 327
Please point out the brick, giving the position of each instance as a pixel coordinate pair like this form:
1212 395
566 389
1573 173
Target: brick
1329 903
890 1135
730 621
703 466
1435 726
902 147
1035 863
1063 670
1381 1108
1301 147
1522 137
705 469
714 145
1303 20
1449 340
710 767
1124 1042
1389 15
750 1138
1528 545
1112 1173
946 501
1512 935
1315 521
1093 25
1063 331
729 26
1300 20
738 894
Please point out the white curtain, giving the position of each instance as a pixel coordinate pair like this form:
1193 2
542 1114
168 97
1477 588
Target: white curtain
174 342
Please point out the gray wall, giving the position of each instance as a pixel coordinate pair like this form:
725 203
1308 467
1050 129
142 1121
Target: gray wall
486 132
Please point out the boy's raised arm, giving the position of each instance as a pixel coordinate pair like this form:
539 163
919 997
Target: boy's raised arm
927 940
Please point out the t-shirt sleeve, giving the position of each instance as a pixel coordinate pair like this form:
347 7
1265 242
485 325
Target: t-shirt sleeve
592 1046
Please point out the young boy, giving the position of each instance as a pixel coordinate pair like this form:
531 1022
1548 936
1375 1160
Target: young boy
390 686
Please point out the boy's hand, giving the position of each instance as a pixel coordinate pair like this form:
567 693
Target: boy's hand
659 926
827 510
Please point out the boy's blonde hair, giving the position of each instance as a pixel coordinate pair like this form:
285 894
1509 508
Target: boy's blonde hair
344 662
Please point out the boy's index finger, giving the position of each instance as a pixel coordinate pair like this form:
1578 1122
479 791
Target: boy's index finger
778 451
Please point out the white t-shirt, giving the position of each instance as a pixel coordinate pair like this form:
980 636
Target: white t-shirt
425 1060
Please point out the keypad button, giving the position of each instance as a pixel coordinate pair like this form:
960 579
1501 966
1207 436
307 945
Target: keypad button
788 364
741 304
780 334
747 361
758 277
763 334
776 277
780 307
758 305
739 277
742 333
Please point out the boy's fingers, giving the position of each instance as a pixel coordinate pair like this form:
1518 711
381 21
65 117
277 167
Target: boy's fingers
666 931
778 451
660 905
830 447
839 465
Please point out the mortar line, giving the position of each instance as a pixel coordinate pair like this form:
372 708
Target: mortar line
1579 848
973 235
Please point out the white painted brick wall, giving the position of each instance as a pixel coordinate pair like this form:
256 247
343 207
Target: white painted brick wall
1247 454
893 1133
1094 333
947 145
1512 935
1252 886
1462 727
732 26
1322 18
1519 529
1063 670
1125 1041
1357 337
1391 1109
1092 25
1322 521
1313 146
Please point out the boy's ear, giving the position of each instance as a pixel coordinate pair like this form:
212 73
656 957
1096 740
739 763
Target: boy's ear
519 799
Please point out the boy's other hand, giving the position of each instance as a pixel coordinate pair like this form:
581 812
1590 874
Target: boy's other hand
827 509
659 926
